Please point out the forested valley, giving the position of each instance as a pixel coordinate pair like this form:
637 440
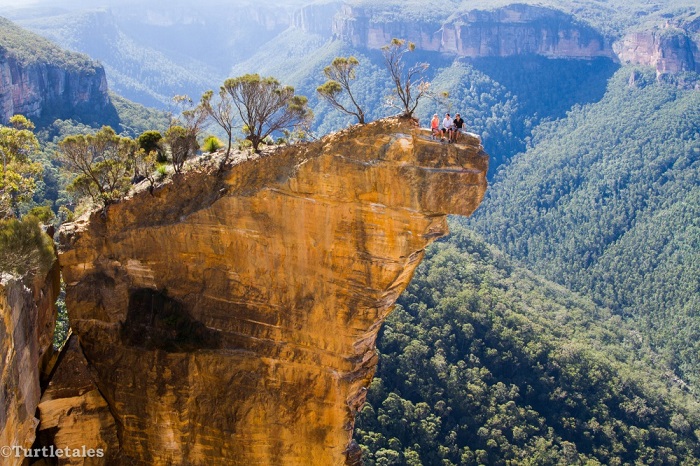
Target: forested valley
558 325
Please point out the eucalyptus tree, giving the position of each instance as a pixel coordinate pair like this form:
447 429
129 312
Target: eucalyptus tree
340 73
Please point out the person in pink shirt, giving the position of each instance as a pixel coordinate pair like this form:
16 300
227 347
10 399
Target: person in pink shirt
435 126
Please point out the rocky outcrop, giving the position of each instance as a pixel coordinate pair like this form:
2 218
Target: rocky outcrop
509 31
26 335
231 318
670 50
43 83
74 415
45 92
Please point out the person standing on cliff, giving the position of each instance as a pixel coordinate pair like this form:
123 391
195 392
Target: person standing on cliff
459 125
447 126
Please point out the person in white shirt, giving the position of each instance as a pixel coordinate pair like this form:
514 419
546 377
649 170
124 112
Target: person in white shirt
447 126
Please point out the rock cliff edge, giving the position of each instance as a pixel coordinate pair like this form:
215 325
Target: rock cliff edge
231 318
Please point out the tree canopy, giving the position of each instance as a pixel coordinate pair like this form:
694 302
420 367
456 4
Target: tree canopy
100 164
340 73
483 362
410 85
265 106
19 175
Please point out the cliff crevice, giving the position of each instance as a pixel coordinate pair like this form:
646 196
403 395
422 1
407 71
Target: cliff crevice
26 335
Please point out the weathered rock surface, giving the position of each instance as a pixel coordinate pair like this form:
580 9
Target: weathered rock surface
316 18
509 31
232 319
670 50
26 334
50 84
74 414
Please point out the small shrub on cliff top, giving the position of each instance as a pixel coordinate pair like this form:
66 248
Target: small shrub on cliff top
183 145
43 213
151 141
162 171
211 144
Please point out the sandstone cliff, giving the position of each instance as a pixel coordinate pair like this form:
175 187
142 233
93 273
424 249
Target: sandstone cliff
521 30
231 319
669 50
44 83
512 30
316 18
26 335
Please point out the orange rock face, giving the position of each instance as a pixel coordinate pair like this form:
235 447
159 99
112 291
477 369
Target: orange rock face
232 318
27 322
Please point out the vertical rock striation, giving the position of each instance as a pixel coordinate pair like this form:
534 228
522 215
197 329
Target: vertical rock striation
26 335
231 319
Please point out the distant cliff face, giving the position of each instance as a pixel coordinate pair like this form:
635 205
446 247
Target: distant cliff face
513 30
669 50
232 319
522 30
362 29
44 92
316 18
26 334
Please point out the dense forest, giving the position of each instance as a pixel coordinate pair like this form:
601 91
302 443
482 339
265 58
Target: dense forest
483 362
607 204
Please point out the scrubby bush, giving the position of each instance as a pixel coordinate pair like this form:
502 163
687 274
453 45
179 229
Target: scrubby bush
25 249
43 213
212 144
183 145
150 141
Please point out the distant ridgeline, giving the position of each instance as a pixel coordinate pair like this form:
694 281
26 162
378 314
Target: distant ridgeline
505 69
46 83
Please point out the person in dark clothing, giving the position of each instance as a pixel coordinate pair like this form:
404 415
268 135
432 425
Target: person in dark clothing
458 123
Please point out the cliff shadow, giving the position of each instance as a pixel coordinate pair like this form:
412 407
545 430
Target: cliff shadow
157 321
546 87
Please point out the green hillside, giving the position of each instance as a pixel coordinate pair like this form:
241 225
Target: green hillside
606 203
133 69
29 48
483 362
